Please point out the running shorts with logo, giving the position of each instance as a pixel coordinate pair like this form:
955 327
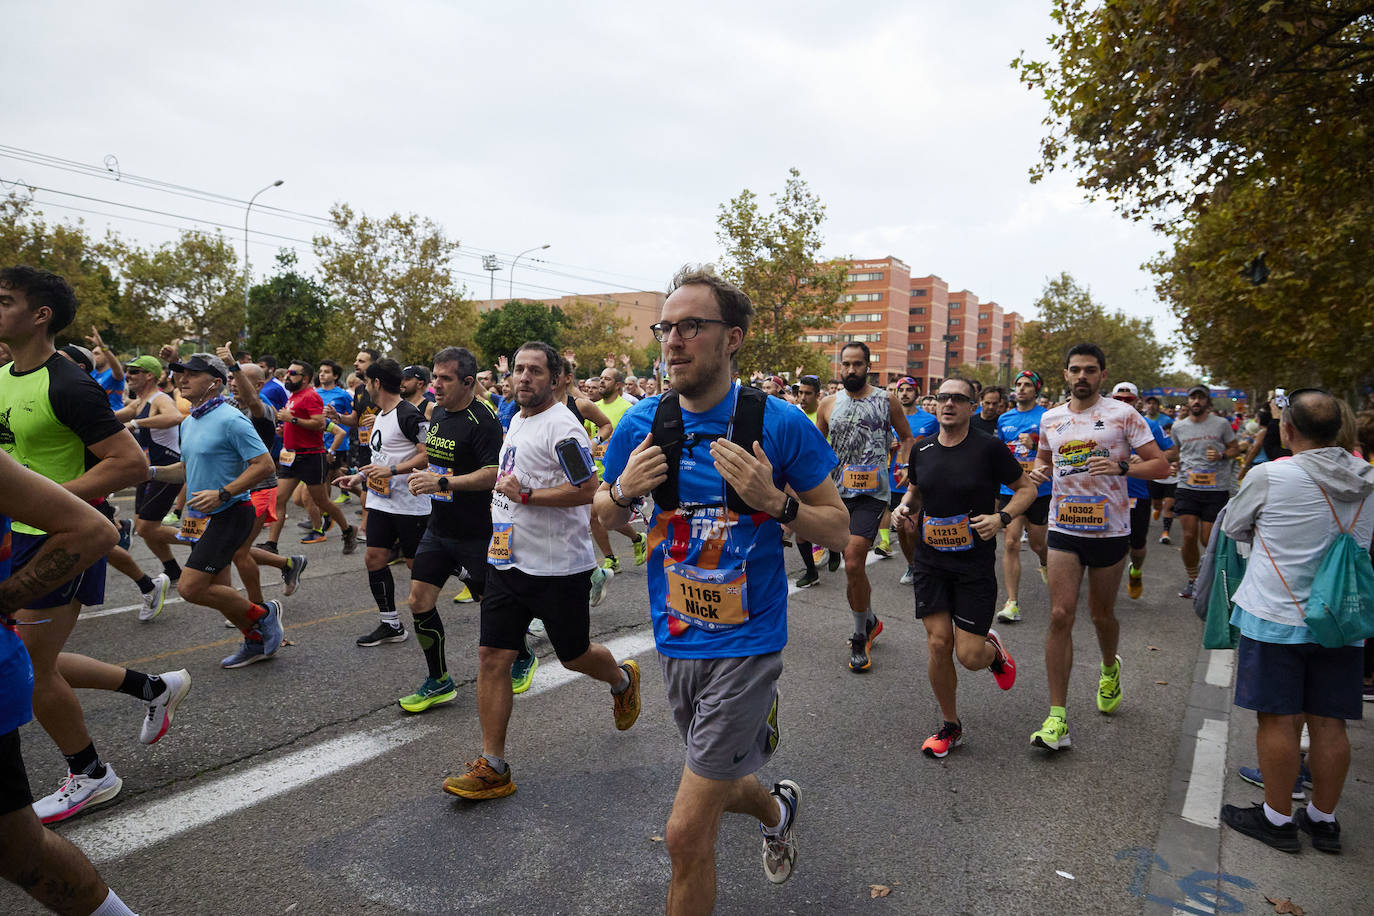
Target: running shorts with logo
513 598
726 710
225 532
865 515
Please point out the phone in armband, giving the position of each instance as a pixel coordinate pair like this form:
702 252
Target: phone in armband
576 461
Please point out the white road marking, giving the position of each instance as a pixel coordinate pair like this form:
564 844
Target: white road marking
1220 664
126 832
1202 803
872 558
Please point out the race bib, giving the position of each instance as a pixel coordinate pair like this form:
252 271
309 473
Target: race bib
948 535
1027 465
1082 513
192 525
861 478
711 599
1202 480
379 485
440 496
286 457
599 450
498 551
1134 500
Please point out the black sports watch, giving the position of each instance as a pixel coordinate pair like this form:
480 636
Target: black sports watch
790 508
443 484
225 496
1125 467
1006 519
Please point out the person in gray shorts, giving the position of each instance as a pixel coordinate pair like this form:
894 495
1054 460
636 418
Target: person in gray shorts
720 627
1204 445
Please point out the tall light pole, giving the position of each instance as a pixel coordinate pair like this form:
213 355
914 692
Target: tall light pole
491 264
251 201
510 290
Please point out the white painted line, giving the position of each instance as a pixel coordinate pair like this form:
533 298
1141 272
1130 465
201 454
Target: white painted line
872 558
120 834
110 611
1202 803
629 645
1220 665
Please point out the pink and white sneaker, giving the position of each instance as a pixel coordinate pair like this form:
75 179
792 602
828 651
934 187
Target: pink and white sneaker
77 794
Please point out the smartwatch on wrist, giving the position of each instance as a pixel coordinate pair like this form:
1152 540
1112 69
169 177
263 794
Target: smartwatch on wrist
443 484
224 495
1125 467
790 508
1006 519
525 493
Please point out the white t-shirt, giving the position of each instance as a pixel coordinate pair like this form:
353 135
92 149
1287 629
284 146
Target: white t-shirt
1108 429
544 540
394 437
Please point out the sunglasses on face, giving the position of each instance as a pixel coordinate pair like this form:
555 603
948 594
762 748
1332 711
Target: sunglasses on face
946 397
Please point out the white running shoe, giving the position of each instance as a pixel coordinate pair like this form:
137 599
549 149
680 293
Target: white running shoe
164 708
153 601
77 793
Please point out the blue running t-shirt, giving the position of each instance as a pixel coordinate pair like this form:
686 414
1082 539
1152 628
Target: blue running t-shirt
1020 430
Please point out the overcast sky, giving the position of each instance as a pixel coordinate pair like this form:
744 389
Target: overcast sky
610 131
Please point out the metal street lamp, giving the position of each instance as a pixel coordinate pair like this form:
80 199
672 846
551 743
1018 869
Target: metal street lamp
948 339
251 200
510 290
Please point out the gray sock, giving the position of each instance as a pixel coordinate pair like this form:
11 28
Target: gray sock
624 682
861 623
497 763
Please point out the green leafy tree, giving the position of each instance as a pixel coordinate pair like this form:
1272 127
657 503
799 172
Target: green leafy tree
66 250
191 289
1069 315
774 256
289 315
393 286
502 330
594 329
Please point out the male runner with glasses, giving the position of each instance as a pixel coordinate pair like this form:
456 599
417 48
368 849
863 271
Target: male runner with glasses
717 584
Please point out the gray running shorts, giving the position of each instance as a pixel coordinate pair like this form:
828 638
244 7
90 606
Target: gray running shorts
726 710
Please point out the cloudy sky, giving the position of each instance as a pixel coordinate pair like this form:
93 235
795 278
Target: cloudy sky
610 131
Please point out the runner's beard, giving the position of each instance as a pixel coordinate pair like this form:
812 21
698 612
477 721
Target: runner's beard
854 383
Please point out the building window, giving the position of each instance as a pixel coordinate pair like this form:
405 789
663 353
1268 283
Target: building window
982 344
914 347
918 310
865 277
916 364
916 329
916 293
982 331
864 316
984 316
954 321
953 306
862 297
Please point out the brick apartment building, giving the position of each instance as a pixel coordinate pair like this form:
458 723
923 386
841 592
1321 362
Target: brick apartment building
642 308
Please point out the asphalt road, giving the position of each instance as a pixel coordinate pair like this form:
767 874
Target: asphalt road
298 785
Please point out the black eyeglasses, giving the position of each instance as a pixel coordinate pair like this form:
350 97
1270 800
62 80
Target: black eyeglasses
946 397
687 328
132 371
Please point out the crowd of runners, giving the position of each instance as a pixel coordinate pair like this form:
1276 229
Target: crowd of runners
512 479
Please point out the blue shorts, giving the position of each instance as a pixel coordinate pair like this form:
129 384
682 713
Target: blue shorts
1288 680
87 589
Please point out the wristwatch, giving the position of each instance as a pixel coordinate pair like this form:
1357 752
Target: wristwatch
790 508
1125 467
443 484
617 494
392 469
525 493
225 496
1006 519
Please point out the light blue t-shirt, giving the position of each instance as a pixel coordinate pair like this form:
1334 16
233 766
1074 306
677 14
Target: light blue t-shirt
1135 487
702 538
922 424
340 400
216 449
1020 430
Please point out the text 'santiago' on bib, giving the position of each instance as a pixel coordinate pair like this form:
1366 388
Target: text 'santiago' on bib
949 534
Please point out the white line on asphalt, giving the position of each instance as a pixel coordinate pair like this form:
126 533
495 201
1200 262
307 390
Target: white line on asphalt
872 558
1219 667
1202 803
126 832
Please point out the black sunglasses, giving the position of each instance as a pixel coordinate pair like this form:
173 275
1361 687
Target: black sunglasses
945 397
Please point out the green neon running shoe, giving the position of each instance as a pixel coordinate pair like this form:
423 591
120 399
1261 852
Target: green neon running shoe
642 550
1109 689
431 693
522 673
1053 735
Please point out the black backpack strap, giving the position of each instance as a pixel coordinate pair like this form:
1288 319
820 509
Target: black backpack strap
667 432
748 429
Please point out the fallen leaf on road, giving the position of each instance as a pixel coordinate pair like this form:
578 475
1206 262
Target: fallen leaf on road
1161 683
878 890
1154 648
656 839
1285 906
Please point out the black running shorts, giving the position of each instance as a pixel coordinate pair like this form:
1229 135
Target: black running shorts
155 499
438 558
225 533
514 598
308 469
15 794
970 598
387 529
865 514
1094 553
1205 504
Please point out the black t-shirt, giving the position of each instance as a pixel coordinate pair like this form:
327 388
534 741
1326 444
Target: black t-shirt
983 425
363 407
461 443
1273 444
957 483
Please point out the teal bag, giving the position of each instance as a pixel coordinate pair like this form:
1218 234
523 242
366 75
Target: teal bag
1340 606
1228 570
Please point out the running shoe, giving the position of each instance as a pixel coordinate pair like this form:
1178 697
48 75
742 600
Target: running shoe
1109 689
884 553
431 693
1135 581
350 540
1010 613
384 632
328 523
1253 823
162 709
248 653
861 646
598 590
342 499
1053 735
126 533
305 526
314 537
834 562
522 672
1188 590
950 736
1325 835
269 546
1044 574
1253 776
611 564
464 596
270 628
291 575
1003 666
780 852
625 704
172 518
907 577
808 579
1164 538
642 550
153 601
76 794
480 782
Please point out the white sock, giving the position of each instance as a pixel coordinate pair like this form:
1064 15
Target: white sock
1318 816
113 906
782 819
1278 820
